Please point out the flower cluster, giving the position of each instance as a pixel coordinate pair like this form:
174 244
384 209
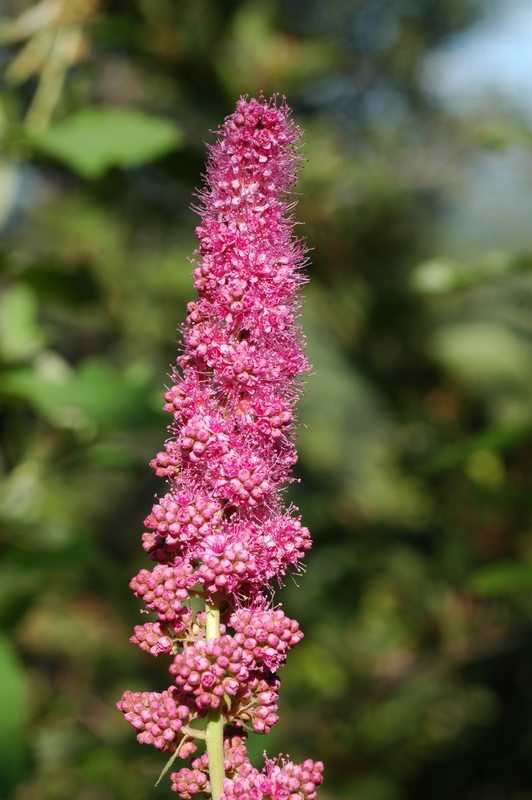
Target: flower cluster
279 780
284 781
158 717
221 533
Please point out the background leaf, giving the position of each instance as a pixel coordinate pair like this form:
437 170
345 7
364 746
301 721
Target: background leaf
92 140
502 579
13 702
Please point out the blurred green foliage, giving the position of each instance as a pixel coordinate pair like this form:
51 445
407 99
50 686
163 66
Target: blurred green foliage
415 676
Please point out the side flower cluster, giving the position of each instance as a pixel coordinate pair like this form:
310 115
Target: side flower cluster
221 532
279 780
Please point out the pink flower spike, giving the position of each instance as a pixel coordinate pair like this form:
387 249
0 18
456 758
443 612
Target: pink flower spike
220 532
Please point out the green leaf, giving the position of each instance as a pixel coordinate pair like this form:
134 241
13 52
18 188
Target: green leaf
168 765
20 337
12 703
483 354
94 139
93 394
502 578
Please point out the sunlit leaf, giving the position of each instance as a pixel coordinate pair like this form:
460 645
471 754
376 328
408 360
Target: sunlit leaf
483 353
94 394
12 703
20 336
502 578
94 139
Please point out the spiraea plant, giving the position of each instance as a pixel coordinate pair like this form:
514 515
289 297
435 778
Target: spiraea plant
221 536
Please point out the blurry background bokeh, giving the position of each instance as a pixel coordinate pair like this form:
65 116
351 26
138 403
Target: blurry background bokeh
414 679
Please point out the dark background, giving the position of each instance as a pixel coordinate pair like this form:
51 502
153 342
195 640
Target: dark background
414 679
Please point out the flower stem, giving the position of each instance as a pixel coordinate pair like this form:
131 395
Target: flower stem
215 720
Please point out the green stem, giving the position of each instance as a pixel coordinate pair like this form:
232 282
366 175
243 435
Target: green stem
215 720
